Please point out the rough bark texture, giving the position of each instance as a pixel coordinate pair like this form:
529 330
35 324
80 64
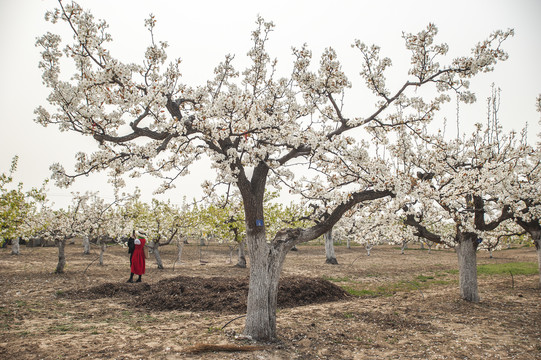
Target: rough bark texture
329 249
15 246
86 245
265 268
467 266
61 256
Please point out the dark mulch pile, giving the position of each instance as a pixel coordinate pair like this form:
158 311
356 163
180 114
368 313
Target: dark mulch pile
219 294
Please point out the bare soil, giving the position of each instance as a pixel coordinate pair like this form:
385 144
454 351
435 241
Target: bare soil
407 307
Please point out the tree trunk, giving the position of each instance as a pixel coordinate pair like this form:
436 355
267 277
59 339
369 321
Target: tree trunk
536 236
329 249
15 246
61 256
348 243
368 249
467 266
242 255
103 246
404 247
180 246
266 261
156 250
86 245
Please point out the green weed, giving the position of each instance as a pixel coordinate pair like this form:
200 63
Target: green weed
516 268
423 278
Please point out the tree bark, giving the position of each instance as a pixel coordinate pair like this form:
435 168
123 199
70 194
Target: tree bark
467 266
241 263
156 250
61 256
103 246
180 247
86 245
15 246
266 261
329 249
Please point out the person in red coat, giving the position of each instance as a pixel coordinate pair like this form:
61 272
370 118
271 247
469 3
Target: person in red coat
138 256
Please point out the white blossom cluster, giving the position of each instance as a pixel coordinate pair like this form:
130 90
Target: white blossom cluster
291 132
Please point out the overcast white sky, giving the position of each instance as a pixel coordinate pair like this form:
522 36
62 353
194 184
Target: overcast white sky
202 32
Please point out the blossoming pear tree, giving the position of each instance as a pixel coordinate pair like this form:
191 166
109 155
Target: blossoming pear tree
460 183
145 120
102 220
62 225
16 206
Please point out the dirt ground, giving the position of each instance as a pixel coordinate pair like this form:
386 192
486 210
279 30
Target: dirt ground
406 307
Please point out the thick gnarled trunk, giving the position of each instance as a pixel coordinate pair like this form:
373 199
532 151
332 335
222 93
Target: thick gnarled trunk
266 261
329 249
467 266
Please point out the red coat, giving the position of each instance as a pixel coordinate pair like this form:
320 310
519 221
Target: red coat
138 258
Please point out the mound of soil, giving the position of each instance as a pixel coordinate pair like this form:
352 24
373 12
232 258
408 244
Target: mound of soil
218 294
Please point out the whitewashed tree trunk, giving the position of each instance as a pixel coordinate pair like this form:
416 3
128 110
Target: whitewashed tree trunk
368 249
156 251
61 256
86 245
103 246
180 247
467 266
429 244
329 249
241 263
15 246
348 243
266 261
404 247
